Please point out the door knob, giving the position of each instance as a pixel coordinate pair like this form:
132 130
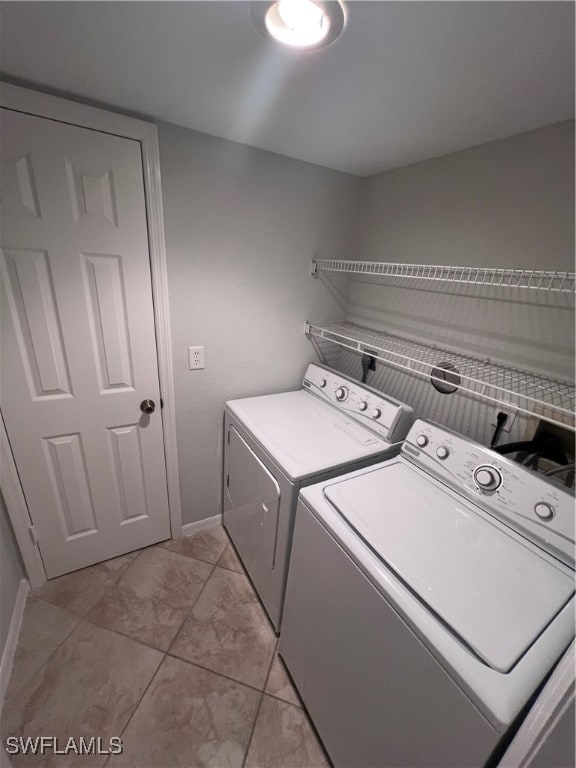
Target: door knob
147 406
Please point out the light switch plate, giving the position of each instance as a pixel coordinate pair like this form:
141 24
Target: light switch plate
196 358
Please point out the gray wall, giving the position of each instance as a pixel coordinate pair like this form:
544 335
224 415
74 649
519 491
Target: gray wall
243 224
241 228
505 203
11 572
509 203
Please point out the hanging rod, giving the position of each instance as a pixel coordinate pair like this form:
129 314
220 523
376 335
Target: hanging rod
542 280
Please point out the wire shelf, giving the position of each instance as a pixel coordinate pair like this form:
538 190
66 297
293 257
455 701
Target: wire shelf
529 393
560 282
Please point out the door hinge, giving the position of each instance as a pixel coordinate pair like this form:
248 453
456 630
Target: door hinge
227 481
228 437
161 402
33 536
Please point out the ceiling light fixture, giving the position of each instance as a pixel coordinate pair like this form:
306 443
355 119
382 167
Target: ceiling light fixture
301 24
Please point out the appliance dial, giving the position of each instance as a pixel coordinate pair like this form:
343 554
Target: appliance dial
544 511
422 441
323 383
363 405
442 452
487 478
376 413
341 394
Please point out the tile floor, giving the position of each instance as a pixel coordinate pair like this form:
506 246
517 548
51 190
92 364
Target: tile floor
168 648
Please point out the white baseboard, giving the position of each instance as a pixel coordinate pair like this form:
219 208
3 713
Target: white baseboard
12 637
202 525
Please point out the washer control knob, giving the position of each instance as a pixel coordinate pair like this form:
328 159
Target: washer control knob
341 394
376 413
442 452
363 405
544 511
323 383
422 441
487 478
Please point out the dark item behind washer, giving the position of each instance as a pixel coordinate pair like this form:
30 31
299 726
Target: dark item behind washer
543 445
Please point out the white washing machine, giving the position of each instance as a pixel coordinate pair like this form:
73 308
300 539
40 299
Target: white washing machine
277 444
428 598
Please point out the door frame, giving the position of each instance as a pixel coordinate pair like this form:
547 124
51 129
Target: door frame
64 111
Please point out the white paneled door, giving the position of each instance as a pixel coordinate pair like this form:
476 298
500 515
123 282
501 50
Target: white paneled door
78 352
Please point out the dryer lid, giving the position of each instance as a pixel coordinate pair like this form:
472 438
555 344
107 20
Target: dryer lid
305 435
496 593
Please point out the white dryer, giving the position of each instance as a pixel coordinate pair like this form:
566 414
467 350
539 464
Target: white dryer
277 444
428 599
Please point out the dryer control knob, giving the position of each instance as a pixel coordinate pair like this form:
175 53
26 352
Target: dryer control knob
442 452
323 383
376 413
422 441
363 405
487 478
341 394
544 511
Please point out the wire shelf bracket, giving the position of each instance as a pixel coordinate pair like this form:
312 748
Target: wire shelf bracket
529 393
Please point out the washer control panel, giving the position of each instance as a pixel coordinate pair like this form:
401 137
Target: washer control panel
442 452
386 416
487 477
544 510
518 496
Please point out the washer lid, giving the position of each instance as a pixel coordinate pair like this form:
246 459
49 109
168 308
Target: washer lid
493 591
304 434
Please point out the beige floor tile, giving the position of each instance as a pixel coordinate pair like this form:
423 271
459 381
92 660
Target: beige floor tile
189 717
89 687
207 545
153 597
78 591
228 631
44 628
230 560
279 683
284 738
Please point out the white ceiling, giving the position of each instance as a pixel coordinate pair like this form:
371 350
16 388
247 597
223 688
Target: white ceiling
406 81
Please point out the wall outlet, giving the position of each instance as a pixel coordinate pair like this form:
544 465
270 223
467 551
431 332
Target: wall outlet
196 358
508 424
